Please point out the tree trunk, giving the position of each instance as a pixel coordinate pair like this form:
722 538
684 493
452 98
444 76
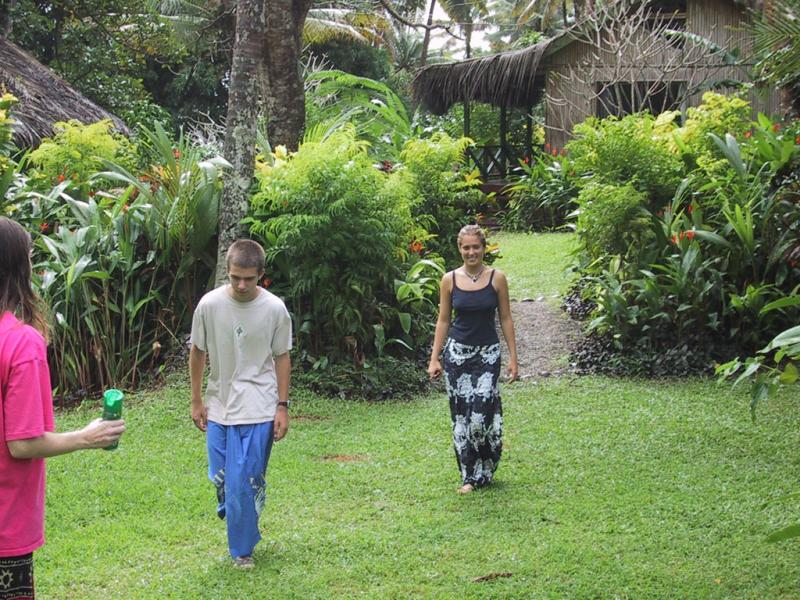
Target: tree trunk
240 126
285 98
6 6
426 41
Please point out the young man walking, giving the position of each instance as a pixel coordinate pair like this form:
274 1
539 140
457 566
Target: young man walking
246 333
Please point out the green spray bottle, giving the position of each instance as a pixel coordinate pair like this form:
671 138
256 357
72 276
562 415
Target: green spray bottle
112 409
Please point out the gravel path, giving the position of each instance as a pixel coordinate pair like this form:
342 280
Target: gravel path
545 336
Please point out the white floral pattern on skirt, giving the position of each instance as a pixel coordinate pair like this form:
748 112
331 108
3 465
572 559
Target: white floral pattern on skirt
471 376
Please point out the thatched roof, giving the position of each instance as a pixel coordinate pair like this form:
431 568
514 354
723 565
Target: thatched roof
506 79
44 98
510 79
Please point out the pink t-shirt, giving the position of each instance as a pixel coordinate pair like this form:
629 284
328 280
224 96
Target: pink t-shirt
27 412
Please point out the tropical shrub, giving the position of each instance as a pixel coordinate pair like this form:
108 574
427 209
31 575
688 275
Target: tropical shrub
77 152
626 151
543 196
335 238
607 218
719 115
378 114
10 176
444 196
121 269
7 101
698 270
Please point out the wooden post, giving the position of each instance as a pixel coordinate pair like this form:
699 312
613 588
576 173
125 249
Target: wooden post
503 134
528 133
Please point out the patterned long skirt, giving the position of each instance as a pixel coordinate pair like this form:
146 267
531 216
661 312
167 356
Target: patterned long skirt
471 374
16 578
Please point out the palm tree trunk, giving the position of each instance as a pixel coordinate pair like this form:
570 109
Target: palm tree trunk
240 126
426 41
285 98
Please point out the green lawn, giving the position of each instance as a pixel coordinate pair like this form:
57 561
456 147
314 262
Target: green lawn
535 263
607 489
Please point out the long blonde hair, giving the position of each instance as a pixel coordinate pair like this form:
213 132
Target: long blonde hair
16 293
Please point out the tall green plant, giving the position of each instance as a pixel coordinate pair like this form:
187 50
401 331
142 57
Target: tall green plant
335 237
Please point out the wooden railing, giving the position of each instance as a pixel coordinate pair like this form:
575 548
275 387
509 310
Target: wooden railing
495 162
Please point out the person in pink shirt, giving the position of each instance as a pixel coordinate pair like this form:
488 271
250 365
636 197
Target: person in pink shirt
26 416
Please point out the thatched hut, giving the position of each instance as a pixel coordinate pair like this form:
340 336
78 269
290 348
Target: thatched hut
657 56
44 97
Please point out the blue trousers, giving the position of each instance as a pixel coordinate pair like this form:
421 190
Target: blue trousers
237 466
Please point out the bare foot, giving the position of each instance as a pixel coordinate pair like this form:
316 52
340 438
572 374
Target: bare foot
466 489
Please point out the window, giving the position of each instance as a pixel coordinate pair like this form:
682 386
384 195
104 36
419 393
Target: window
625 98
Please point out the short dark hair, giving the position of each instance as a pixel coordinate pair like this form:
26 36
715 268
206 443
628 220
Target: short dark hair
246 254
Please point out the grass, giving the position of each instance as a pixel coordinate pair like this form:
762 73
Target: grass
535 263
607 489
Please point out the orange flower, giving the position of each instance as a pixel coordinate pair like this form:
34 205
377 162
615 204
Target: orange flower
674 239
61 178
176 153
547 147
266 282
690 235
415 247
776 127
555 152
747 134
797 140
44 227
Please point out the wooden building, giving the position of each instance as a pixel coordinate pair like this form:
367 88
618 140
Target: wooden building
626 57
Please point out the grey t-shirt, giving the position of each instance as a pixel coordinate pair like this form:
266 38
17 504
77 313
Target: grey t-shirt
241 339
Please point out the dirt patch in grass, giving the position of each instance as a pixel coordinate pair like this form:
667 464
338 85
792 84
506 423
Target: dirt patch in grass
545 337
343 457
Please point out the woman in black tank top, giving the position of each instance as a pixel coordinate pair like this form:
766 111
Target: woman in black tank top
473 294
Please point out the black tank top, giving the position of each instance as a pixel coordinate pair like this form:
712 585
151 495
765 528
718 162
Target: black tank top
475 310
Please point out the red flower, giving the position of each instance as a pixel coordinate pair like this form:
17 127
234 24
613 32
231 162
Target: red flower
526 160
747 134
266 282
555 152
44 227
547 147
61 178
91 193
797 140
776 127
690 235
674 239
689 209
386 166
176 153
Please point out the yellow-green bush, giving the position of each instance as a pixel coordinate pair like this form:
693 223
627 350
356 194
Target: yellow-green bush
77 151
